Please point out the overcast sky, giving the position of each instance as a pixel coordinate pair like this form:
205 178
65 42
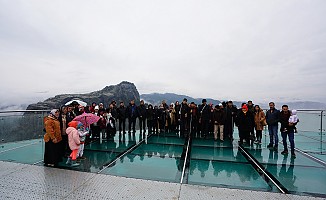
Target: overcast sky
232 49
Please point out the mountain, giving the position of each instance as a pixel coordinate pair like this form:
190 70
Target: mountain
124 91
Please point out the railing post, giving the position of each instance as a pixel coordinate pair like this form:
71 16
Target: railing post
321 131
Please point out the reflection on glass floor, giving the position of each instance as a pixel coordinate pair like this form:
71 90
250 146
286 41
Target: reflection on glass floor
214 163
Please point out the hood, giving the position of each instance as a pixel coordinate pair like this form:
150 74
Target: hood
294 112
69 130
73 124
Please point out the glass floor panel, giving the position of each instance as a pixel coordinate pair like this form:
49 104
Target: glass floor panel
217 153
94 162
300 179
159 150
166 140
273 157
211 143
108 145
144 167
27 153
225 174
11 145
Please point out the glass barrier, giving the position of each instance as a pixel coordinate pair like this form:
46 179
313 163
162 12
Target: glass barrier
21 135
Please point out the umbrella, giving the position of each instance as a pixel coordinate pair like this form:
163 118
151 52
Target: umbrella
87 118
80 102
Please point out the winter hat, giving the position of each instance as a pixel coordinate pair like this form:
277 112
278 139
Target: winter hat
73 124
245 107
220 104
96 108
79 125
53 111
294 112
204 100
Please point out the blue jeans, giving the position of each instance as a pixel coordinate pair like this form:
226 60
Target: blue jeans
291 139
272 129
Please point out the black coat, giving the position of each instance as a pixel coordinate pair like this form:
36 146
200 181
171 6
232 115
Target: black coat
245 122
131 112
219 117
204 112
231 114
141 111
150 114
121 112
185 110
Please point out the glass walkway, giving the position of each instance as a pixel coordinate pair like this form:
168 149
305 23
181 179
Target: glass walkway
169 157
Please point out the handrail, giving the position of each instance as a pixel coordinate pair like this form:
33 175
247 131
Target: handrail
9 111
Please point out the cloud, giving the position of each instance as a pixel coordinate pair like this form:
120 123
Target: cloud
220 49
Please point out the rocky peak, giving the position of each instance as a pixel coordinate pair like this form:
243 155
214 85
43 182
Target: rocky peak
124 91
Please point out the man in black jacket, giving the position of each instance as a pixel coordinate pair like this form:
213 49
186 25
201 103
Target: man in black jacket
204 117
141 113
184 117
287 129
131 113
121 114
230 113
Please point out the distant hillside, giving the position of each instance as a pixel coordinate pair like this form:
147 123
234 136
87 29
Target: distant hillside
124 91
303 105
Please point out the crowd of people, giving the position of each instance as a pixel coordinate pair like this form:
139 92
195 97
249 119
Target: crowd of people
67 137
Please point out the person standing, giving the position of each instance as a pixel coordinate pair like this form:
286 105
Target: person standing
121 112
150 115
52 138
131 112
177 114
287 129
245 122
218 120
204 117
231 113
141 113
260 119
272 119
184 117
194 118
251 109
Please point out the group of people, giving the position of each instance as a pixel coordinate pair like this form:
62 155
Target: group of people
67 137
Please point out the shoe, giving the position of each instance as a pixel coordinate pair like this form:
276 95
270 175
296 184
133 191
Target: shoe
259 142
82 158
74 164
256 141
68 161
275 148
284 152
293 155
270 146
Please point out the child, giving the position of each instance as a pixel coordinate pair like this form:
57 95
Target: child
82 136
74 142
294 119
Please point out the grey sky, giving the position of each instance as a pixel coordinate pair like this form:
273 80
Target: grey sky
232 49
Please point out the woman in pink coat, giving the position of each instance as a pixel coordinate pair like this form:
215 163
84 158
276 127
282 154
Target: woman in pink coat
74 142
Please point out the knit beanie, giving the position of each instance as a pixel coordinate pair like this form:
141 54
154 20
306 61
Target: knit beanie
245 107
